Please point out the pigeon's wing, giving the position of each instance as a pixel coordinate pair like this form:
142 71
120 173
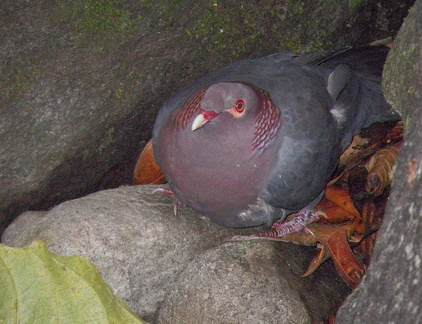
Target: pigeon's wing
323 106
308 143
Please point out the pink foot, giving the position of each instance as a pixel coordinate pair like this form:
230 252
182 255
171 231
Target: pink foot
177 205
303 218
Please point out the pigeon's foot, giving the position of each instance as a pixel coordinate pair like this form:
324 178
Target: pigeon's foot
177 205
164 192
303 218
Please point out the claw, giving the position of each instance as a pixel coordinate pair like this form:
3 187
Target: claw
241 238
164 192
177 205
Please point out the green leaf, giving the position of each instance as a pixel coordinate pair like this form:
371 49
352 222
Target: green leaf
37 286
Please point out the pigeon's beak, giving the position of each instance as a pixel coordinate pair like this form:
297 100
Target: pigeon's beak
199 122
203 118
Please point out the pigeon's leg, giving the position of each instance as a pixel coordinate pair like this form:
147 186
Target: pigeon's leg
303 218
177 205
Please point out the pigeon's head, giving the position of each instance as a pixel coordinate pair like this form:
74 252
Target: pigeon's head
237 99
236 111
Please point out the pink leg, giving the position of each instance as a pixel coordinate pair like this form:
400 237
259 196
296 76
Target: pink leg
304 217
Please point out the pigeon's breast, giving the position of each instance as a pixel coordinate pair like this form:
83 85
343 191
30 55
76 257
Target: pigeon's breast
217 170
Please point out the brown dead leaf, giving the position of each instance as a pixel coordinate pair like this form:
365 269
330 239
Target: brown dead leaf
147 170
333 240
337 205
322 256
345 261
364 246
353 150
381 168
365 145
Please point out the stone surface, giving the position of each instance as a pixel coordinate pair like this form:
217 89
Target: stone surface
391 291
82 81
141 249
252 282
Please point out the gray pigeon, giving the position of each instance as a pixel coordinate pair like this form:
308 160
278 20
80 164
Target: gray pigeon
259 139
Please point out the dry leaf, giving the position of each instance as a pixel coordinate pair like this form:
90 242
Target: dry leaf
334 242
337 205
366 243
353 150
322 256
345 261
381 168
377 137
147 170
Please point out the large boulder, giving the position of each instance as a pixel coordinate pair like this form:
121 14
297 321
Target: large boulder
83 80
391 291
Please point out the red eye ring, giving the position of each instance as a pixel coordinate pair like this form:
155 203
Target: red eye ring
240 106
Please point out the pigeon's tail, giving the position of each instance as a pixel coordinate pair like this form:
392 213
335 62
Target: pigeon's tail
355 78
367 60
378 109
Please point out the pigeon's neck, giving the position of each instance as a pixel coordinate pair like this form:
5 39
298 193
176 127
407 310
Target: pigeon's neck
267 122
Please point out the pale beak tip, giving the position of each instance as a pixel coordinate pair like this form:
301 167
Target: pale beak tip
198 122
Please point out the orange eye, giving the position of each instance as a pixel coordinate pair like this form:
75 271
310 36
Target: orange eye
239 106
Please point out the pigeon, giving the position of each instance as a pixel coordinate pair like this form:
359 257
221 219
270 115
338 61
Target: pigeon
257 140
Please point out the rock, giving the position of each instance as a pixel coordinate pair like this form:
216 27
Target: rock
82 81
26 222
391 291
253 282
141 249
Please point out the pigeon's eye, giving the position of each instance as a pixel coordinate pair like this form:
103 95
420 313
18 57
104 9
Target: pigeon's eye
239 106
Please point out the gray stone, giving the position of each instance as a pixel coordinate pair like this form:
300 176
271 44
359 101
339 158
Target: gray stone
253 282
391 291
23 224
